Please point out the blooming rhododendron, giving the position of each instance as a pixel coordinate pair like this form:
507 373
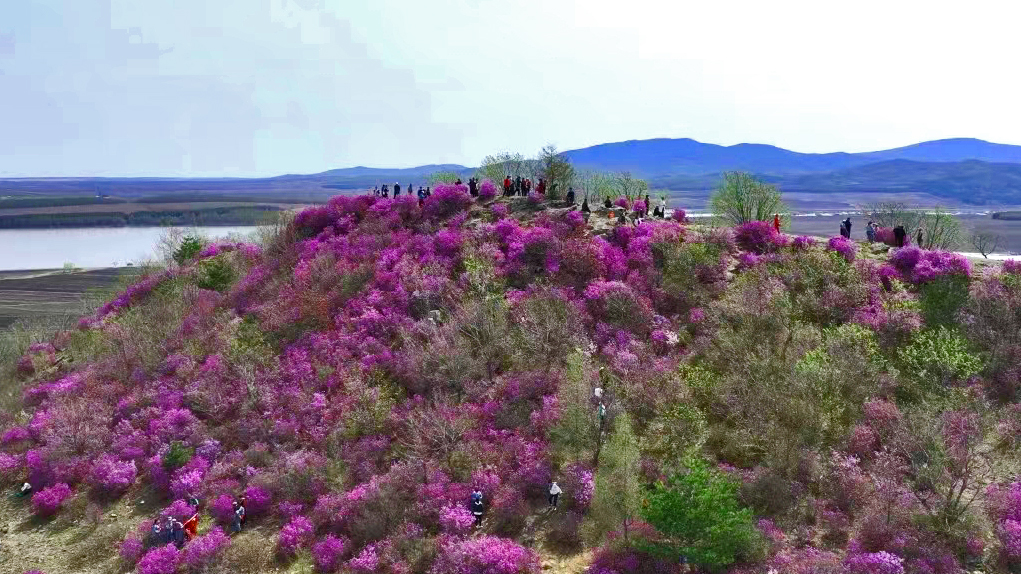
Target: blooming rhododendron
328 552
294 535
160 560
202 550
48 501
489 554
456 519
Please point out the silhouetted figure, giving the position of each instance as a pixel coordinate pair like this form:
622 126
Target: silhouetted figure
607 203
517 186
899 235
411 188
541 187
918 237
473 187
428 191
776 222
458 182
870 232
397 189
386 191
847 224
585 210
648 206
570 196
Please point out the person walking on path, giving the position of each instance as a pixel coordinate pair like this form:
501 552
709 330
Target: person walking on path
776 222
476 506
506 186
554 494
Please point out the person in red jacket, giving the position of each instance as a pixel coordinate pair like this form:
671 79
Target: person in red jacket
507 185
191 527
776 222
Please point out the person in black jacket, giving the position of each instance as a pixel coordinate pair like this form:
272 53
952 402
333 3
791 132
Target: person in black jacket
899 234
847 225
476 506
570 196
397 190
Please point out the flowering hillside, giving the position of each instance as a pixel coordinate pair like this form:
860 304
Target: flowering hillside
768 403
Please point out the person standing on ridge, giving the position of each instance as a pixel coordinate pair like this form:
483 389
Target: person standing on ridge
776 222
918 236
847 224
506 186
899 235
570 196
870 232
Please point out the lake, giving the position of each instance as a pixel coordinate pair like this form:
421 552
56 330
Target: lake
90 247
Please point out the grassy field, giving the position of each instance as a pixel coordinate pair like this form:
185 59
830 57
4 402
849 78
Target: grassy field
48 296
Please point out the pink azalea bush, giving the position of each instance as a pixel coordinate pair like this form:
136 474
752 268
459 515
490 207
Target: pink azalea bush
487 190
48 501
160 560
202 550
295 534
759 237
489 554
328 553
843 246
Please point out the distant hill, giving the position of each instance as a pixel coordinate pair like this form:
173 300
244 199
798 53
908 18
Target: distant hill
672 157
969 170
972 181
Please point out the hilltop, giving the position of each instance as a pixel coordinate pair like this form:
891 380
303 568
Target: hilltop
769 403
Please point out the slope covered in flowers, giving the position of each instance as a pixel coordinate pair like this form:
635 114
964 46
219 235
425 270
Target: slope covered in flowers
359 375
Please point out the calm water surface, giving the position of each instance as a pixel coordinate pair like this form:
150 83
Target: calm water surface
91 247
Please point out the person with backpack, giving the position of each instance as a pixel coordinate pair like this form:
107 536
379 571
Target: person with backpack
554 494
476 506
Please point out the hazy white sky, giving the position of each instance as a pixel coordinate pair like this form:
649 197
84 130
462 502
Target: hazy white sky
265 87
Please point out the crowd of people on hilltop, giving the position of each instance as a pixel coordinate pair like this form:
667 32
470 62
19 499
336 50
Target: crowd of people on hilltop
900 236
524 187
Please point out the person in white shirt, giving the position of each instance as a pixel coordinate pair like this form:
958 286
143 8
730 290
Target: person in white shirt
554 494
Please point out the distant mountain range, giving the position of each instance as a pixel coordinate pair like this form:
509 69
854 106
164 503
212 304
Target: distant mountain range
967 170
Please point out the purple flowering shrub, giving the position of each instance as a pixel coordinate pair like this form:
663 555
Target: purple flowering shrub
111 477
489 554
328 553
202 550
843 247
297 533
447 200
759 237
48 501
160 560
456 519
487 190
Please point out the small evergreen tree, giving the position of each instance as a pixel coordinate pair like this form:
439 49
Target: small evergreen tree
577 431
699 517
190 246
618 491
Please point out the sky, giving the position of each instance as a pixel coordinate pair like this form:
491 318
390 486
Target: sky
247 88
